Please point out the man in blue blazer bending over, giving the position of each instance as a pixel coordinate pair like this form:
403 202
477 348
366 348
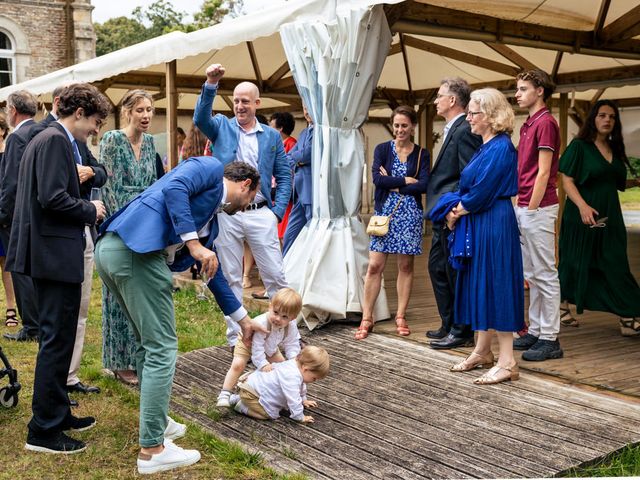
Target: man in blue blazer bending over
243 139
169 225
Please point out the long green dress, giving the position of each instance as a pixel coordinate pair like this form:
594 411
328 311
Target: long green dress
127 178
594 268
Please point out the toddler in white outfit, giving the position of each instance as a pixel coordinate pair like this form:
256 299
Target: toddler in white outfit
283 333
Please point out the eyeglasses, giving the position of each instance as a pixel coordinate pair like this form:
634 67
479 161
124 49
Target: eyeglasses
440 95
473 114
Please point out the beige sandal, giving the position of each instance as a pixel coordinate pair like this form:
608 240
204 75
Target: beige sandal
246 282
630 327
499 374
481 361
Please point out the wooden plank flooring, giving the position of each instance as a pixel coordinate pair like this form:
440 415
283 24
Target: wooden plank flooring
391 409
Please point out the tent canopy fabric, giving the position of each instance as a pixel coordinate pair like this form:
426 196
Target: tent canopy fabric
433 40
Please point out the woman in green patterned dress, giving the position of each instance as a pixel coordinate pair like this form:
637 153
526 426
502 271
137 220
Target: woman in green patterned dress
594 268
129 156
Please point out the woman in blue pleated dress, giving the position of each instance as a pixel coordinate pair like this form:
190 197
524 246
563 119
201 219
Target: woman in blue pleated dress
400 172
489 287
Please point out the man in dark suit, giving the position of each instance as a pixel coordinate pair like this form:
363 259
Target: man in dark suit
21 108
458 146
91 175
172 222
47 243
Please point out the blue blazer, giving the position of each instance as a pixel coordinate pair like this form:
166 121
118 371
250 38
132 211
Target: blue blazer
223 133
300 162
182 201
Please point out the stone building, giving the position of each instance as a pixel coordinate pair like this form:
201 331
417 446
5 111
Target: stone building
40 36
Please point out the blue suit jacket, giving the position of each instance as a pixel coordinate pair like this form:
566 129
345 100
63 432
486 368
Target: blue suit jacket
223 133
182 201
300 162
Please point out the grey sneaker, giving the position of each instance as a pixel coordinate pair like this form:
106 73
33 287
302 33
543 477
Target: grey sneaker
525 342
543 350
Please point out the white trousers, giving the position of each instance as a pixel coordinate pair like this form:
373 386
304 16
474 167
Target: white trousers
537 235
259 228
85 298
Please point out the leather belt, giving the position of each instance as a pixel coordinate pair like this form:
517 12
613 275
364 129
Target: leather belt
255 206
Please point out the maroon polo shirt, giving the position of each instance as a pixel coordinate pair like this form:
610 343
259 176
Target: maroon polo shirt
539 131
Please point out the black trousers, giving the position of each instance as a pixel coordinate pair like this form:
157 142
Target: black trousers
24 291
59 304
443 279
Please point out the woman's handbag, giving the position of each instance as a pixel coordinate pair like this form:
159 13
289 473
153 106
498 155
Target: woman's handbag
379 224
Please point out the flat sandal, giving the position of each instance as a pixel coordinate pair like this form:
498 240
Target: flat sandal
482 361
498 374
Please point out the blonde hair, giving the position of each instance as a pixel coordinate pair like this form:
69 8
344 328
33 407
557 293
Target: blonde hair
316 359
130 100
496 108
288 302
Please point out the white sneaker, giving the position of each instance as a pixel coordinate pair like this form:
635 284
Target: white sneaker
171 457
174 429
223 399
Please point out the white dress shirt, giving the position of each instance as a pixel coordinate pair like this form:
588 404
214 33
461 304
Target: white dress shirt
280 388
265 345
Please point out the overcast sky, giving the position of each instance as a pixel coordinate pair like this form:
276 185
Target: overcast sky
106 9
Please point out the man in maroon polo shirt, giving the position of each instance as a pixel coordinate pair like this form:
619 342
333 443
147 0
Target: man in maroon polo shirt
537 211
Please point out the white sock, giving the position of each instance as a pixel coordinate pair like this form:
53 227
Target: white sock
241 408
233 399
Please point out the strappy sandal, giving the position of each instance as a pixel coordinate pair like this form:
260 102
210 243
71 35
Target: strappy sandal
470 363
498 375
570 321
401 326
11 318
246 282
366 327
630 327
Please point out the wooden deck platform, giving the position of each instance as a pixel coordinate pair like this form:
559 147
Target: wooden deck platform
391 409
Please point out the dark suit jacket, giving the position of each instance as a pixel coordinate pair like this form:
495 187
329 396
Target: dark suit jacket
48 227
16 144
457 150
88 160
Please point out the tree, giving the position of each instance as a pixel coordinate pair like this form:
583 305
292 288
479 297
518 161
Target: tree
117 33
157 19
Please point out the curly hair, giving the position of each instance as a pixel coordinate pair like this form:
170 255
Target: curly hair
538 78
4 125
240 171
497 109
85 96
285 121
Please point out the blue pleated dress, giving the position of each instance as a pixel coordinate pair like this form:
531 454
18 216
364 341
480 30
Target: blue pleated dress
490 292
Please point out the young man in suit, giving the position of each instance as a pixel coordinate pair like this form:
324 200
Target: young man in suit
21 108
242 138
47 243
174 222
458 146
300 161
91 175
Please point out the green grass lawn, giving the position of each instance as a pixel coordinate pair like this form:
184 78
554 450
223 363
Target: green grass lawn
113 443
630 198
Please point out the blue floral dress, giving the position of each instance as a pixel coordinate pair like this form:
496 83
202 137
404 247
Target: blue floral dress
405 227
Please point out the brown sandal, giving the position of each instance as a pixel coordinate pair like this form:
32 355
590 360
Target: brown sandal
11 318
366 327
499 374
401 326
481 361
570 321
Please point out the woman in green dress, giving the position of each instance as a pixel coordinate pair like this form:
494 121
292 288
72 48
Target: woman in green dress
129 156
594 268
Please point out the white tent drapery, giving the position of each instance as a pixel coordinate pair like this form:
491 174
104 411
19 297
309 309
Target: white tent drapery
336 66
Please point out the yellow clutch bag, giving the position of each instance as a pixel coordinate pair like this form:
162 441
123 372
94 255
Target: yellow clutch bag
378 225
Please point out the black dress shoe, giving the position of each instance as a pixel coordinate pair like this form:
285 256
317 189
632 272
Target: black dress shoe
451 342
78 424
82 388
21 336
439 333
58 443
